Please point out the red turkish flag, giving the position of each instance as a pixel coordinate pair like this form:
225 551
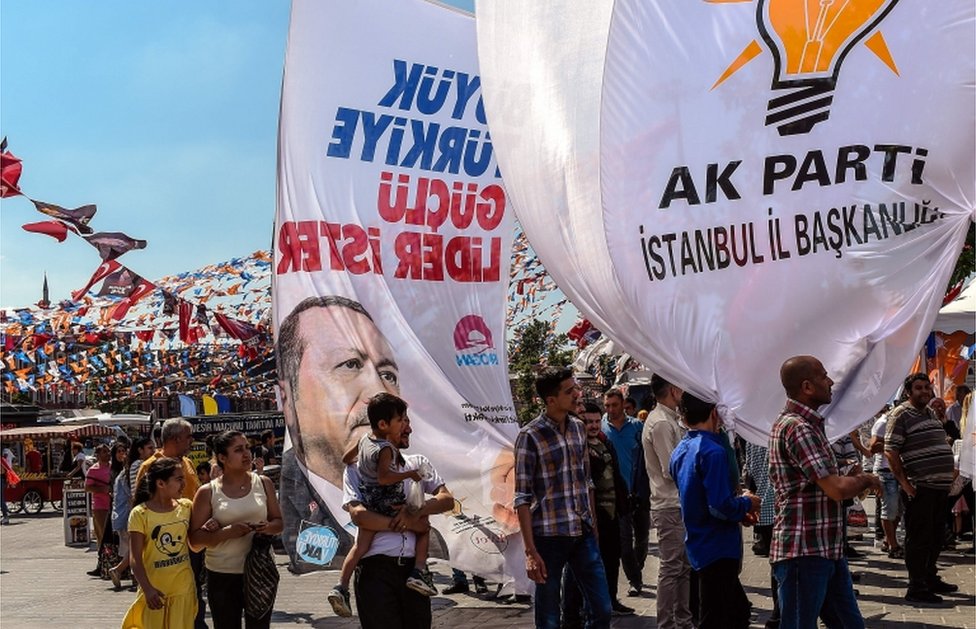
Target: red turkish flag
54 229
10 169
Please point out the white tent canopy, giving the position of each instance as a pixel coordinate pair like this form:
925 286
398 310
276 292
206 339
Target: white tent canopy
959 314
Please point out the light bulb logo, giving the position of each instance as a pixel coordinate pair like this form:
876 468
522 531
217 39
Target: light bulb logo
809 40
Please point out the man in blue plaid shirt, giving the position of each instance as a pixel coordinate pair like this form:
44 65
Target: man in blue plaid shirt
554 503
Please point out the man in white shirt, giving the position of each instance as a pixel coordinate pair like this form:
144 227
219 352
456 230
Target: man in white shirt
383 599
662 431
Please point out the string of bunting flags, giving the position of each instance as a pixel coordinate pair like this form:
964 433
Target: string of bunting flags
104 341
131 336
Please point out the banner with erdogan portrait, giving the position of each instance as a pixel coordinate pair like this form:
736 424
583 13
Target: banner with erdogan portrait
391 262
741 181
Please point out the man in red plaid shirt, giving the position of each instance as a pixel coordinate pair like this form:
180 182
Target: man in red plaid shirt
807 552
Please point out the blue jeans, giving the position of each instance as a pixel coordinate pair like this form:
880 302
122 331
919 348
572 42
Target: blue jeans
815 586
582 556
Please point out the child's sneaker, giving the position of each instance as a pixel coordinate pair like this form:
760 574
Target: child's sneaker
339 599
420 581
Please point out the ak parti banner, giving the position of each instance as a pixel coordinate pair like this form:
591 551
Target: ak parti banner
391 265
721 185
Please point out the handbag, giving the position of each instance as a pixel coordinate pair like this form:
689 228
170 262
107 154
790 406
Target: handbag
957 484
260 577
856 515
108 558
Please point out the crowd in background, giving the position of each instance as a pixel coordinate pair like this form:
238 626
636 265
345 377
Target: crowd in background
589 486
183 533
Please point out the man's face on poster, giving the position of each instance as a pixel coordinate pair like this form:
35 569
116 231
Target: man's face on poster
345 362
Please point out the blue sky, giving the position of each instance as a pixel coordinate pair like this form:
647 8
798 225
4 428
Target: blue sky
163 114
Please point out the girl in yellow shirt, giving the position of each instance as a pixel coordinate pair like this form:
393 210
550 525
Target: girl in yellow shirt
159 551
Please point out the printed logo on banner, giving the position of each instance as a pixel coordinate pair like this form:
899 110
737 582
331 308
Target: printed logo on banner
809 40
317 545
473 342
488 541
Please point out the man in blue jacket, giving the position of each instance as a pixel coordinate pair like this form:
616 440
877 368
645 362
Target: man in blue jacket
712 515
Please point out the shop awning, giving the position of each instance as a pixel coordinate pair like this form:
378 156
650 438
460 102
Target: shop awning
56 432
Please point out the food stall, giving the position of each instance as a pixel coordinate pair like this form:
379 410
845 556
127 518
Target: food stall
40 478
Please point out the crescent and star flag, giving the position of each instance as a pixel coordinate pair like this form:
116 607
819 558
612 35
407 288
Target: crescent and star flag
104 270
719 186
393 243
140 289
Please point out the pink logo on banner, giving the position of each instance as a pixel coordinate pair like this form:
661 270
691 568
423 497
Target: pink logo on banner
471 332
472 340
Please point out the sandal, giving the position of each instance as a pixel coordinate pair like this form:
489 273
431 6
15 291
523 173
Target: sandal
897 553
884 547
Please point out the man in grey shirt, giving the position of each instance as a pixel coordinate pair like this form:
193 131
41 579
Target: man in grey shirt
663 430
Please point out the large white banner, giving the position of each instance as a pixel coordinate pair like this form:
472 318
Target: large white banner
391 264
722 185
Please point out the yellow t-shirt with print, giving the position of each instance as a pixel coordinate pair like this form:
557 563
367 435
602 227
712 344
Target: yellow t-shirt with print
166 558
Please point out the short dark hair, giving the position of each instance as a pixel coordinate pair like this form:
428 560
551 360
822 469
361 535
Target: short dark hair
631 401
548 380
614 392
961 392
591 407
290 346
659 386
912 379
204 467
267 434
696 411
384 407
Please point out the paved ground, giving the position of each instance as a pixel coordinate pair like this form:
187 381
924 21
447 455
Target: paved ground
43 583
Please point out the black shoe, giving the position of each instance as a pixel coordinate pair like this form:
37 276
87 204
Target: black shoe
941 587
635 589
851 553
458 587
923 598
619 609
760 549
855 577
480 587
516 599
97 572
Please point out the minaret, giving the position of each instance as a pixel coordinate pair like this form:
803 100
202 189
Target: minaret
45 301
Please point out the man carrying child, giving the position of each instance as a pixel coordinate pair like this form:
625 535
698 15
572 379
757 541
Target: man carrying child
377 460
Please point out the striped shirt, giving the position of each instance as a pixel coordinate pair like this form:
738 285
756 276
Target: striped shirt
552 476
807 522
920 441
757 461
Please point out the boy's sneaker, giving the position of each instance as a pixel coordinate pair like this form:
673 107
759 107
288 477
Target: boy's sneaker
421 582
339 599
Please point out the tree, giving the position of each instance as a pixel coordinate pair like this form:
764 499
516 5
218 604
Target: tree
533 346
966 264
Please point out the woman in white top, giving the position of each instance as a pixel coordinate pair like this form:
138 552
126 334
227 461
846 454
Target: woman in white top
227 512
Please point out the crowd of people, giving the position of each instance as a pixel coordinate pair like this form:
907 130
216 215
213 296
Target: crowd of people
590 484
586 488
190 537
178 531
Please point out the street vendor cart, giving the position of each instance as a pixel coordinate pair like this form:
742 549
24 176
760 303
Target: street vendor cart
46 485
